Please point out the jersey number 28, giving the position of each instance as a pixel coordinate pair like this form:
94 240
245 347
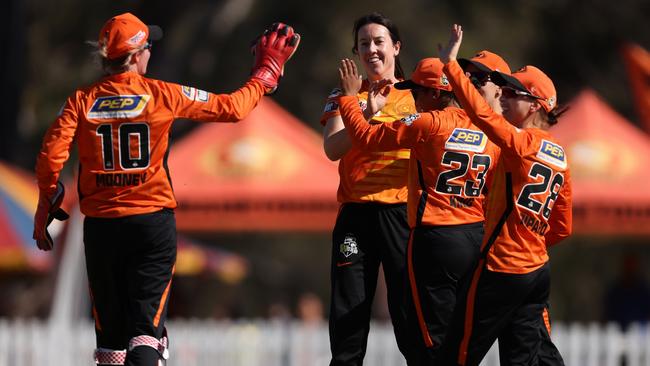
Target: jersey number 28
549 181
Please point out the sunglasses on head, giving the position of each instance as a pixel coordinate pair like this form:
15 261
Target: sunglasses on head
510 92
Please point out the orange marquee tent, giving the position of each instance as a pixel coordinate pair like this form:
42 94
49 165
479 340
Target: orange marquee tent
265 173
609 160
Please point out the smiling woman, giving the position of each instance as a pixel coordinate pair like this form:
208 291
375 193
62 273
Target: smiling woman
371 227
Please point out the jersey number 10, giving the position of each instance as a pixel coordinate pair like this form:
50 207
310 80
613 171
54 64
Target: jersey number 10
132 137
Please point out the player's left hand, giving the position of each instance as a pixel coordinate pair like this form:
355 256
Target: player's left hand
48 209
350 78
450 52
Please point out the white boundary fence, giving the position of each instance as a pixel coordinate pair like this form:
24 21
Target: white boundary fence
205 342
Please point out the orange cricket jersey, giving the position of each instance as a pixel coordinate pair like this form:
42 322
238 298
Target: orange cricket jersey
529 205
451 161
121 125
367 176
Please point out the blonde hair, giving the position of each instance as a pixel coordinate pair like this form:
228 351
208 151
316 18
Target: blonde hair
114 66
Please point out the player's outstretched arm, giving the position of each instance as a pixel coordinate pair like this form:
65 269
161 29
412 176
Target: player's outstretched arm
272 50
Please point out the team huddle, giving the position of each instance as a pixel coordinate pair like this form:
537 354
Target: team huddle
487 191
449 179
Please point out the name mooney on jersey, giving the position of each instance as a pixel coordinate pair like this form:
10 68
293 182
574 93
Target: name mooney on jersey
552 154
466 140
118 106
119 179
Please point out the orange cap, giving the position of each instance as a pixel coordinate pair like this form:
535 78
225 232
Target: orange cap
124 33
486 61
428 73
529 81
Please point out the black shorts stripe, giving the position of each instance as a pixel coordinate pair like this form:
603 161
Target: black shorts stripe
502 220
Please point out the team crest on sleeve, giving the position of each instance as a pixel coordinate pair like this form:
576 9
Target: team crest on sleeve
408 120
552 153
363 104
195 94
189 92
466 140
118 106
201 95
331 106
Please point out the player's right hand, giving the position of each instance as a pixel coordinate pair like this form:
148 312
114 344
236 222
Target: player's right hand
48 209
350 78
450 51
272 50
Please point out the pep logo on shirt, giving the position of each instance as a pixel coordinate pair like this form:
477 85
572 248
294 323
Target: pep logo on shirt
468 140
552 153
118 106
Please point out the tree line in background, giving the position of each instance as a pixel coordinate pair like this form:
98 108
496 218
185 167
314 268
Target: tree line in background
44 56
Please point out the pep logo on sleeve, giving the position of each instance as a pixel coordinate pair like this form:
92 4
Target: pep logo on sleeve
552 154
467 140
118 106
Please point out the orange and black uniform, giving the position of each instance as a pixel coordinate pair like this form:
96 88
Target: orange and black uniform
529 209
371 228
451 162
121 126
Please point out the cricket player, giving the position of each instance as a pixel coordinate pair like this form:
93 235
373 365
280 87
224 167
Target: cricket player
529 210
371 227
121 125
450 168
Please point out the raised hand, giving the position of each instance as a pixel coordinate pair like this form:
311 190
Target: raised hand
350 78
450 52
272 50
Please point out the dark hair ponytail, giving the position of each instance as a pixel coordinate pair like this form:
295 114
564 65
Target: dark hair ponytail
378 18
555 113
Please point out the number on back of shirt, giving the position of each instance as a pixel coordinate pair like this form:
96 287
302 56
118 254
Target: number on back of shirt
539 197
460 162
132 145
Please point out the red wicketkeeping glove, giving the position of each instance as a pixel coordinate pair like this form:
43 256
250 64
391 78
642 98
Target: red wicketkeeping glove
272 50
49 208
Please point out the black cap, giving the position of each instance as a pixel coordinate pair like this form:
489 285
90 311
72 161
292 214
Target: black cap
508 81
406 84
